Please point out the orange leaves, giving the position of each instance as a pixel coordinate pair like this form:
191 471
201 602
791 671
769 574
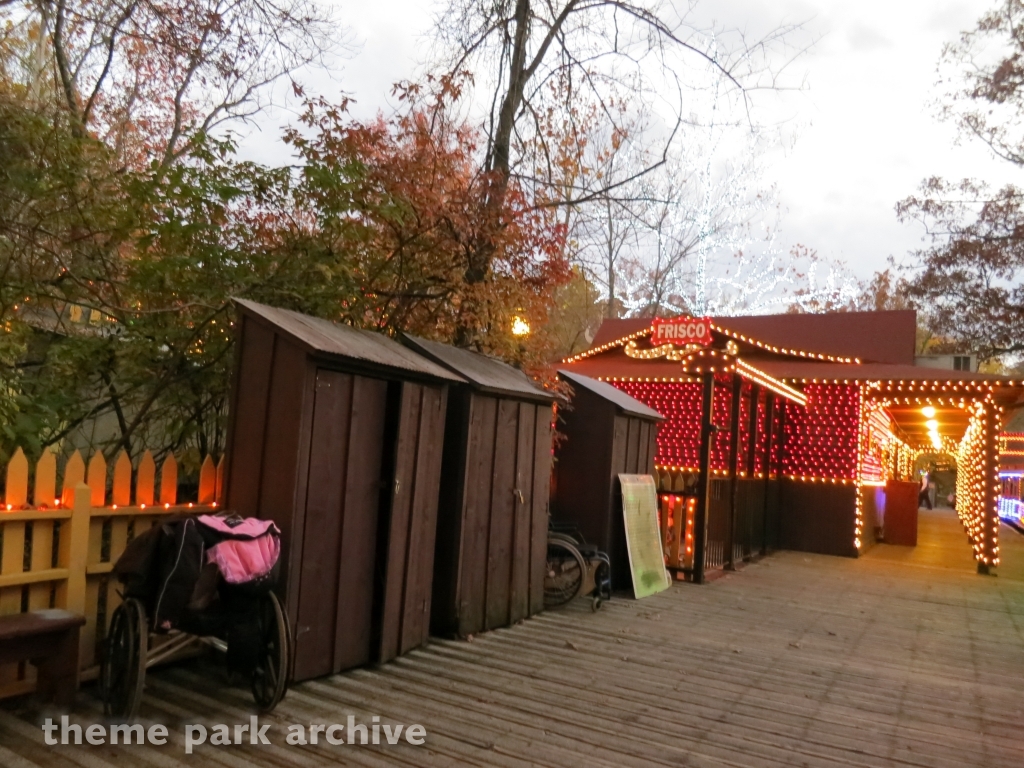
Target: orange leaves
404 198
149 77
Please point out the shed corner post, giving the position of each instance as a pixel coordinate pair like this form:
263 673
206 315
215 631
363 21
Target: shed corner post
734 449
703 478
76 542
74 555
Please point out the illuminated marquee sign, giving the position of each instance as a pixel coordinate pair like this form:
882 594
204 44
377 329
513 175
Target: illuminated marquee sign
681 330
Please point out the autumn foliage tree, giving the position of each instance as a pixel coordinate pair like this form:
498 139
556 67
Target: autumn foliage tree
148 76
371 227
591 50
405 201
969 281
116 285
123 226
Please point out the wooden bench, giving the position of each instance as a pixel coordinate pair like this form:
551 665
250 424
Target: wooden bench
48 640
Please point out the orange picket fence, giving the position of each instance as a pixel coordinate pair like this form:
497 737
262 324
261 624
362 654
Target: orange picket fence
58 547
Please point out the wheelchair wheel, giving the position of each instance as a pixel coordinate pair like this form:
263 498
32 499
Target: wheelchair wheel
563 576
559 536
603 578
270 678
123 666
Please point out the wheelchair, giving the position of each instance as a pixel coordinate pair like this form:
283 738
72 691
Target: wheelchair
575 568
249 615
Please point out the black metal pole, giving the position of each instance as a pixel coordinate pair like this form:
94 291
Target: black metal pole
734 485
700 522
769 417
752 437
779 475
755 396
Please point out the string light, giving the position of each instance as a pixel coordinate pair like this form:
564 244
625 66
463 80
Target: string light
675 508
776 386
1010 504
668 351
1011 444
976 501
782 351
822 438
864 446
605 347
624 340
679 436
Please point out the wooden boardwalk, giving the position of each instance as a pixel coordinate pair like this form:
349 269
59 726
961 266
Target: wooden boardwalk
902 658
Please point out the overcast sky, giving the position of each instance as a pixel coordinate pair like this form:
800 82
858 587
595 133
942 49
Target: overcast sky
866 127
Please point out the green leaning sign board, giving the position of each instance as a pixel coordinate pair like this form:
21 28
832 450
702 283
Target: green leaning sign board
643 539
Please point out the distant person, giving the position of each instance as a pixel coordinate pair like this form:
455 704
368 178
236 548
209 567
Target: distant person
933 488
923 498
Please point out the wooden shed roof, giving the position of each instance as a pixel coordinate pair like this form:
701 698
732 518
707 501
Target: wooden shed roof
337 342
617 397
483 373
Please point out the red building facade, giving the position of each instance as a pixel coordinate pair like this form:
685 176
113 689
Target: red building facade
811 417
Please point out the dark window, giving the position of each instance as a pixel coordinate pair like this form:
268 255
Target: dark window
962 363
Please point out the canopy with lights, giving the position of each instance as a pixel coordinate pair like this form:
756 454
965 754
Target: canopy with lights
819 410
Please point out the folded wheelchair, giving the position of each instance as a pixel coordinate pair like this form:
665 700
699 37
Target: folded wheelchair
198 581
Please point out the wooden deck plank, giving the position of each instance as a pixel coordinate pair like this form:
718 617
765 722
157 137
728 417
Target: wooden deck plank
516 719
904 658
759 722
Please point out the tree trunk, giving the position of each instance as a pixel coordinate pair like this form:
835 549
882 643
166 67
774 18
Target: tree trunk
499 159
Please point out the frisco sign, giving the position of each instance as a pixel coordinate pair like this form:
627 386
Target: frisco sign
681 330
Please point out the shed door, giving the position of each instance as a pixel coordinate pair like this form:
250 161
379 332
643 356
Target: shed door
410 531
505 531
335 608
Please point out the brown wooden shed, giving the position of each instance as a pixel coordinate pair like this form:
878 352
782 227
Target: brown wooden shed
493 514
607 432
336 435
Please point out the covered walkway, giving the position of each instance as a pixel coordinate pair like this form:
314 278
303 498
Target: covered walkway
901 658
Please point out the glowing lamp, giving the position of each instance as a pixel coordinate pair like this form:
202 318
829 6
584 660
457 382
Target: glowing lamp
928 411
520 327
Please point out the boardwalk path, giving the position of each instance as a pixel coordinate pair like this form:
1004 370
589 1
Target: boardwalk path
902 658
